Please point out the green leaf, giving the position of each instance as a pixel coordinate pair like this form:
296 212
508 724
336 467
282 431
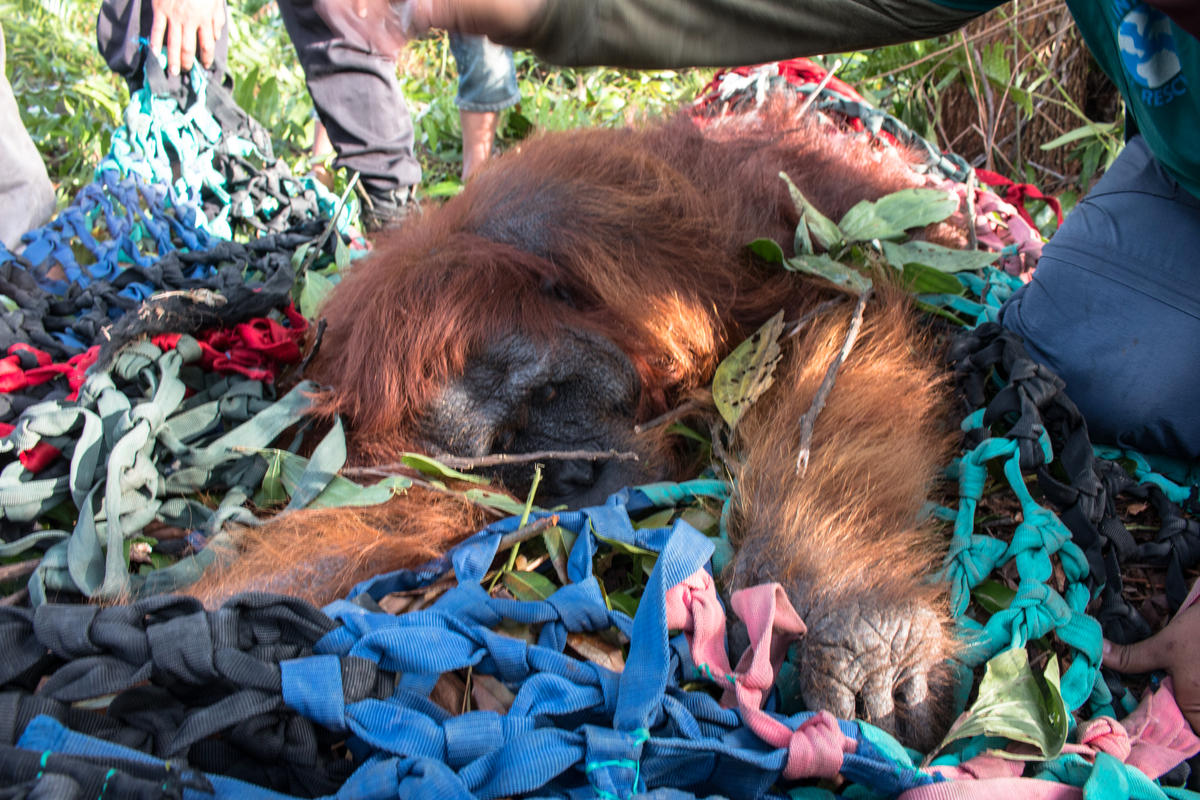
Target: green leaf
700 519
833 271
623 601
768 250
526 585
284 470
928 308
891 215
659 519
446 188
993 596
271 491
558 543
935 256
341 253
679 429
496 500
1014 703
1088 130
299 253
316 288
628 549
748 371
923 280
823 231
430 466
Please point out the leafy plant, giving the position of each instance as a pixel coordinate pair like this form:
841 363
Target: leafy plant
865 236
1016 704
69 100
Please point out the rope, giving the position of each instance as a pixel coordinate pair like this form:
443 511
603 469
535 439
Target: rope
105 432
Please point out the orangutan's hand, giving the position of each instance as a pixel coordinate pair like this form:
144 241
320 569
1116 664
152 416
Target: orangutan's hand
387 26
1176 649
191 29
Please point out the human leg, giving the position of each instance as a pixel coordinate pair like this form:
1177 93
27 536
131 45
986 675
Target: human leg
1114 308
358 100
26 195
487 83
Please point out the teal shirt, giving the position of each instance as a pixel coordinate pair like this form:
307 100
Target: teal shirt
1156 66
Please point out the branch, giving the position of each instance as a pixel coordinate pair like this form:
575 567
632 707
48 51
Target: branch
809 420
673 415
500 459
19 569
526 532
808 101
802 323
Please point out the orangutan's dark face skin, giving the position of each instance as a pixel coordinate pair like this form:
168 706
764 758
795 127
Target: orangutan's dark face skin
519 396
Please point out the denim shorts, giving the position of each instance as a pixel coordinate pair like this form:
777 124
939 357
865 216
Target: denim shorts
1114 308
486 78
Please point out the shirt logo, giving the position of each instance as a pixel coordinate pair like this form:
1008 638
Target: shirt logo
1149 55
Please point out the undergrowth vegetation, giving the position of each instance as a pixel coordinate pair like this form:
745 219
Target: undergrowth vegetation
1015 92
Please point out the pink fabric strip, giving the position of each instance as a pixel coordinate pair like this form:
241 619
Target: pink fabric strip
815 749
995 789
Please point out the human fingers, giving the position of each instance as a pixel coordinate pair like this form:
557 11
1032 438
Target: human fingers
206 45
174 46
158 28
218 19
1144 656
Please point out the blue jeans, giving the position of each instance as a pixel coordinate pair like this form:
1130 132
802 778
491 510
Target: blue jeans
1114 308
486 78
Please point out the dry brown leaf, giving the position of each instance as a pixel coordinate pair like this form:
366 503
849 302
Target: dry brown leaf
596 650
490 694
449 692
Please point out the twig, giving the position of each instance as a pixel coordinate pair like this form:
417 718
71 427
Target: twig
980 114
311 257
15 599
500 459
680 411
802 323
718 449
317 339
526 532
808 101
972 185
512 554
1026 16
404 471
19 569
809 420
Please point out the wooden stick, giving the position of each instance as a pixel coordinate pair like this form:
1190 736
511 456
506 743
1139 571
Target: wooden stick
808 101
526 532
497 459
809 420
19 569
667 418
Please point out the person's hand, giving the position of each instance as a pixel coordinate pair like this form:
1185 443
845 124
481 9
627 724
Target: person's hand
387 26
191 29
1176 649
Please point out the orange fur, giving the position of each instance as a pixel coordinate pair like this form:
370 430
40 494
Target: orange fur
843 537
645 230
320 555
